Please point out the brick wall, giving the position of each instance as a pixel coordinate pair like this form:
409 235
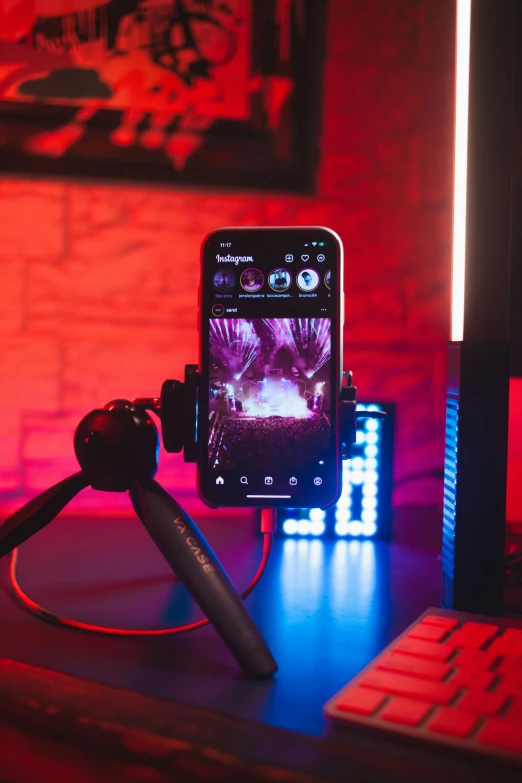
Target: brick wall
99 281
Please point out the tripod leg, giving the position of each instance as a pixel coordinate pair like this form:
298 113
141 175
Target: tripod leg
41 510
190 556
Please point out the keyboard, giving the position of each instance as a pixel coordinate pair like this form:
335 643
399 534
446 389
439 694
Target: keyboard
450 678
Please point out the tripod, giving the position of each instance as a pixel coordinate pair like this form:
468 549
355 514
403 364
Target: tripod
117 449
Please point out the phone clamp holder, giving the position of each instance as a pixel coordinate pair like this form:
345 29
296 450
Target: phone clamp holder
177 407
117 448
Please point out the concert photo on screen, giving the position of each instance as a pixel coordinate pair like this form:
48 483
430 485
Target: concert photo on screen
270 396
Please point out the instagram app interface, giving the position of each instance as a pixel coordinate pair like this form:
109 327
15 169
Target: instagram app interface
270 352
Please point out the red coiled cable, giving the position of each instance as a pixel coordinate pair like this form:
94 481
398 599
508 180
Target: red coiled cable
268 525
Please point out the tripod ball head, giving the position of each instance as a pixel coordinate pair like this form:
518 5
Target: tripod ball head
116 445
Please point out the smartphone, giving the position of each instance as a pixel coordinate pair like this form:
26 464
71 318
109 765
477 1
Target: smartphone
270 328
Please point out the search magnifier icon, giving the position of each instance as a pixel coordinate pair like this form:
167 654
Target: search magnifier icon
243 480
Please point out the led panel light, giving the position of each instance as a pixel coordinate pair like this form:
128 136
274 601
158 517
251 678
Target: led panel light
364 508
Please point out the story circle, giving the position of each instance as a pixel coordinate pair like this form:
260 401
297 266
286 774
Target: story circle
279 279
224 280
308 279
251 279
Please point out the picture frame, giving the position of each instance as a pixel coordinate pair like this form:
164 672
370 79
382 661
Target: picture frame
222 93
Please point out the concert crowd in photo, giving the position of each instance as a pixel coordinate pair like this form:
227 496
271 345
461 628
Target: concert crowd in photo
269 392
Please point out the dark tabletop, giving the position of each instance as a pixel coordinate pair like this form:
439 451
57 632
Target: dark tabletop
326 609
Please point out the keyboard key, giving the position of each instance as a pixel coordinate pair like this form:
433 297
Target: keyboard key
407 664
513 634
465 640
503 646
511 664
429 633
361 701
482 702
501 733
510 684
472 635
405 711
479 629
432 651
412 687
514 711
440 622
472 678
475 659
454 723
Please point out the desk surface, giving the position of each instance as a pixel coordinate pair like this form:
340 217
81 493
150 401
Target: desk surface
325 608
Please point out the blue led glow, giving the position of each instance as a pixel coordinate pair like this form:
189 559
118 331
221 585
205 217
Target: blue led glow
369 529
357 512
355 527
361 471
342 514
290 527
303 527
317 527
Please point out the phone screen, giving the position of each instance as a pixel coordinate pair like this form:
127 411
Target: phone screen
270 331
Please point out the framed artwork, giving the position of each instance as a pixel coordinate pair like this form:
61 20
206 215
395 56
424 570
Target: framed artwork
205 92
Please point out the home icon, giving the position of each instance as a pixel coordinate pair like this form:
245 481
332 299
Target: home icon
220 480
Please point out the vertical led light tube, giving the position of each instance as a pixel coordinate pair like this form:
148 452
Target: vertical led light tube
460 168
487 68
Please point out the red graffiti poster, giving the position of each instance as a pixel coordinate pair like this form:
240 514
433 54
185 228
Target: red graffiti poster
202 91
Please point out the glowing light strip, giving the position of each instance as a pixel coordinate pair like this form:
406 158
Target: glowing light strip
460 169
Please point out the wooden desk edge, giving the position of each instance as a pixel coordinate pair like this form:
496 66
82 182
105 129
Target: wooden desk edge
57 726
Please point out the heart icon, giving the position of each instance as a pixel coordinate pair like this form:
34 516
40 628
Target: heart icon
305 258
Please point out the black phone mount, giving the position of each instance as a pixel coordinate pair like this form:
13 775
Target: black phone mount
177 408
117 447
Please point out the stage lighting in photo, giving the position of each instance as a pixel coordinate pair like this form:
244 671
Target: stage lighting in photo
364 508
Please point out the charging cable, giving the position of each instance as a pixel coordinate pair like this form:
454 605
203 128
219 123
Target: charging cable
268 528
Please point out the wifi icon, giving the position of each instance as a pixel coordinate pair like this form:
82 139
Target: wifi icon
314 243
